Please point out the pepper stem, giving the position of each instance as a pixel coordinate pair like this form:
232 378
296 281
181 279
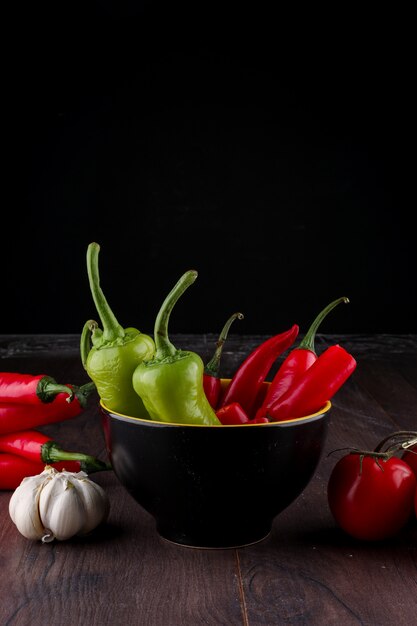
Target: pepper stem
213 366
308 341
82 393
51 453
111 327
85 341
164 347
48 388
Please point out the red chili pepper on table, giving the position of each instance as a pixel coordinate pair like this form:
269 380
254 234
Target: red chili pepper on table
29 389
297 361
14 468
316 386
211 375
15 416
247 381
39 448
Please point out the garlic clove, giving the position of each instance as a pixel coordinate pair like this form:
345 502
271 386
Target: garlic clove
60 508
24 504
95 503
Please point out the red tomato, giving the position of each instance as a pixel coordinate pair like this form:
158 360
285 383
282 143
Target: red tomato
372 503
411 458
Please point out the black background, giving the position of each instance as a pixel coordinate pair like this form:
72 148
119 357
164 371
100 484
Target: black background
280 172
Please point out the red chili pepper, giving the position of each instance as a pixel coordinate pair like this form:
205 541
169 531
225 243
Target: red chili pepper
246 383
316 386
28 389
211 376
14 468
297 362
19 416
259 420
39 448
232 414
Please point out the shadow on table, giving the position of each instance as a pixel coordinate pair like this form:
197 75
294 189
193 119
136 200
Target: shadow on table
334 537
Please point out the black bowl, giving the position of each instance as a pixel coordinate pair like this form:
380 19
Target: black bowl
214 486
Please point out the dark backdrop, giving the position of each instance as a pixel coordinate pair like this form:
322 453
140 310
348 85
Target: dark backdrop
282 179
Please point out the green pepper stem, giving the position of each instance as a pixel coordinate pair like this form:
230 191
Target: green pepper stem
164 347
111 327
52 453
308 341
213 366
82 393
48 389
85 341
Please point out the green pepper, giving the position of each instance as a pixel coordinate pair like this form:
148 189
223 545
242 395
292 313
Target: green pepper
115 351
171 384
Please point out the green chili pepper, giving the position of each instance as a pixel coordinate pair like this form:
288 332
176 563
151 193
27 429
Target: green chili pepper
171 384
115 351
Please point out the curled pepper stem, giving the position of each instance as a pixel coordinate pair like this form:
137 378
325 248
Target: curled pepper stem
307 342
85 341
111 327
164 347
213 365
48 389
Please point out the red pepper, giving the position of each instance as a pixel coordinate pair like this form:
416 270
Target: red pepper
246 383
28 389
211 376
232 414
316 386
19 416
39 448
297 362
14 468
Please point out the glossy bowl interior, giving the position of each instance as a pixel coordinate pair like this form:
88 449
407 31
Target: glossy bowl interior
214 486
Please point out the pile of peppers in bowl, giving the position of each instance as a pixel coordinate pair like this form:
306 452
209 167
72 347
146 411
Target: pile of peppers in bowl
149 378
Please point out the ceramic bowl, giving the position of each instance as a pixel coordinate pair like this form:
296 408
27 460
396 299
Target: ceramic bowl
214 486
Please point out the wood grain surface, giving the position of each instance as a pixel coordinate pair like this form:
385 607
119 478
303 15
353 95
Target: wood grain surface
307 572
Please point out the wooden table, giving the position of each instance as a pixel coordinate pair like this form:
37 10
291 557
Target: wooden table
306 572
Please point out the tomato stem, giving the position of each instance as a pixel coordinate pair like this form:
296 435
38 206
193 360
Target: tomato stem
402 439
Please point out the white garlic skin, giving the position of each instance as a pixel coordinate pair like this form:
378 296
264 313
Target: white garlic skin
24 505
58 505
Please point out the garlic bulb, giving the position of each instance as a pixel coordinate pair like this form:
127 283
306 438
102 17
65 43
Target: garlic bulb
58 505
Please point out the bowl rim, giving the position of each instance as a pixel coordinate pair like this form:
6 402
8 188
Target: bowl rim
281 424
